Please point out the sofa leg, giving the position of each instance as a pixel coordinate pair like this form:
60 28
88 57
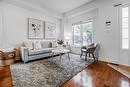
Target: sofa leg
24 62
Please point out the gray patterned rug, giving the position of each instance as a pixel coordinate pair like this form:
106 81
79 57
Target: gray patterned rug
47 72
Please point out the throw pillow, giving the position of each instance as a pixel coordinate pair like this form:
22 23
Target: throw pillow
50 45
44 44
37 45
54 44
28 44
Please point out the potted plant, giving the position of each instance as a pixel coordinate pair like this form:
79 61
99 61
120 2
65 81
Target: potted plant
60 42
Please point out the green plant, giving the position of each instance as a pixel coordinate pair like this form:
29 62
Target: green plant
60 42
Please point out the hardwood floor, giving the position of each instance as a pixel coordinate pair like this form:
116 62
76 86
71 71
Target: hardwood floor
5 77
99 74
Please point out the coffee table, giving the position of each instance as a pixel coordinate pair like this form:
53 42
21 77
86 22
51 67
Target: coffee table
61 51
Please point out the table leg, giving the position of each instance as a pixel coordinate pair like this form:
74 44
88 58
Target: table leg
60 56
68 56
52 54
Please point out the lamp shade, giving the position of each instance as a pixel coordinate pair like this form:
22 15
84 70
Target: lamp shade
67 38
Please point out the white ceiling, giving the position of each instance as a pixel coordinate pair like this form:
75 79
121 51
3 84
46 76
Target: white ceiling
60 6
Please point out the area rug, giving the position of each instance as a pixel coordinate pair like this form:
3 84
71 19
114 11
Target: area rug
47 72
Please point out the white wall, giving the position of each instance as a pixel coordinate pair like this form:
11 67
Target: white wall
15 23
1 29
109 40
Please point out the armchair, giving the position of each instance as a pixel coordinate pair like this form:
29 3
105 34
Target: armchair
89 50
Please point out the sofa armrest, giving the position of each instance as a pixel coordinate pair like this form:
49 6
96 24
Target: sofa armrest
24 53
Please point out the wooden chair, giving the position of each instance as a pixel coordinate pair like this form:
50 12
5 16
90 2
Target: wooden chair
89 50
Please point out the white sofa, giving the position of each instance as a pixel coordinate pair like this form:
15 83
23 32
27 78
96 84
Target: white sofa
33 50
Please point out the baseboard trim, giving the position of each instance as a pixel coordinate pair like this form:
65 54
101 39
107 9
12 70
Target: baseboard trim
123 65
106 61
114 64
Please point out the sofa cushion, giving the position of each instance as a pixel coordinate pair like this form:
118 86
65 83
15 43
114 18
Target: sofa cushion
45 44
54 44
37 45
40 51
28 44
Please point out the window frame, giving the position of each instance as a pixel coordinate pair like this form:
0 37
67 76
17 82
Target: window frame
81 31
121 29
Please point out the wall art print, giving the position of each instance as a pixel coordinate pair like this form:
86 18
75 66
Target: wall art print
35 29
50 30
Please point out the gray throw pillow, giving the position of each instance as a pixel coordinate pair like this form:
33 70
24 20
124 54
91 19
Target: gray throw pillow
44 44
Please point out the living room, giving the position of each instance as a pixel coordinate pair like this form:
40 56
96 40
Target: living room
62 28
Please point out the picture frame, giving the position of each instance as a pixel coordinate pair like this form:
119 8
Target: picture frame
35 29
50 31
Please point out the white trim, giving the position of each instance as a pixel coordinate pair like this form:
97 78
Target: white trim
120 24
123 53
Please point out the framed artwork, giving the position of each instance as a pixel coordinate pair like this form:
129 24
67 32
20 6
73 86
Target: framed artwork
50 30
35 29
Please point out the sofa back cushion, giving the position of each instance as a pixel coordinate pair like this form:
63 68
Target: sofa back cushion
28 44
37 45
54 44
45 44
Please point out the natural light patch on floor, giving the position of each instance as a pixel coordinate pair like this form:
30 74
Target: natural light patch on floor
124 84
83 79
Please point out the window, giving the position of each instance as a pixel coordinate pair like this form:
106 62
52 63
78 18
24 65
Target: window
82 33
77 34
125 28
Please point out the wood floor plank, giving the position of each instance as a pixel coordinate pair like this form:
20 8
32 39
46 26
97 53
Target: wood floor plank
5 77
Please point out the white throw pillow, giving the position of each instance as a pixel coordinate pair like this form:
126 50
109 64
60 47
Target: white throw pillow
45 44
54 44
29 45
37 45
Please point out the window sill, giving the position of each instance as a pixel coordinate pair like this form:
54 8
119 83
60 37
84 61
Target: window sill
125 49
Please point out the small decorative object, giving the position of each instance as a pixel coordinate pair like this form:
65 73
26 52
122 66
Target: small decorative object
108 25
60 42
50 30
50 45
35 29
